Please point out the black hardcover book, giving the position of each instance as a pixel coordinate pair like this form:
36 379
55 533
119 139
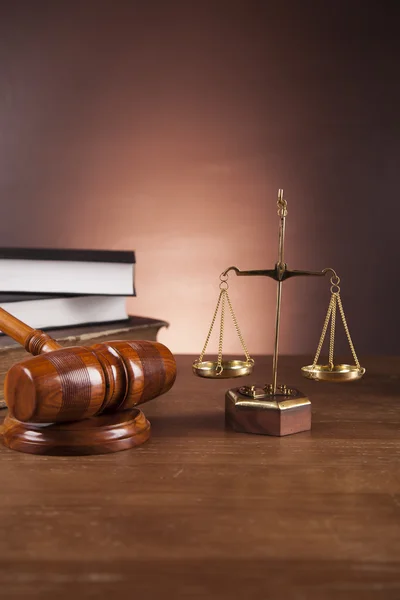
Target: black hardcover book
68 254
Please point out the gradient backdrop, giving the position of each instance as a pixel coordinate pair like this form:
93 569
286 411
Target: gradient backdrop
167 127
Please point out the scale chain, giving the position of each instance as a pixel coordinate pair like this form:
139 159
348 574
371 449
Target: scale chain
211 328
348 332
333 323
331 314
221 333
246 352
223 296
324 330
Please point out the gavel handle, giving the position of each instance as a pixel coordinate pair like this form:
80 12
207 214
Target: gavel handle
33 340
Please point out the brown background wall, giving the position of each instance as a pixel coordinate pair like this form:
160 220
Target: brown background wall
168 127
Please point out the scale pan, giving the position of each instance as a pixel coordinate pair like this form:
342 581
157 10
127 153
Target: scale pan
339 373
230 368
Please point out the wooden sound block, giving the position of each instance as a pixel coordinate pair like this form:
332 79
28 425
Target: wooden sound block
97 435
270 415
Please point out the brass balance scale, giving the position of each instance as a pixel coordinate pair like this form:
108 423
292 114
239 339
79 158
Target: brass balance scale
274 409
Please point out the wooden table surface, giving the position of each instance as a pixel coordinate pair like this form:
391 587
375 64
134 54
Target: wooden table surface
203 512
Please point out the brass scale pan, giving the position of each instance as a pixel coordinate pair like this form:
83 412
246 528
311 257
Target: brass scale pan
227 369
239 368
338 373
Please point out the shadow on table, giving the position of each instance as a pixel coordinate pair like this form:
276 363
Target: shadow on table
187 424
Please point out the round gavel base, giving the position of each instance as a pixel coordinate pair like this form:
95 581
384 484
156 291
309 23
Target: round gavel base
97 435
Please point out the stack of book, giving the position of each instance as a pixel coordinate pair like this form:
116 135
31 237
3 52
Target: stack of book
77 296
59 288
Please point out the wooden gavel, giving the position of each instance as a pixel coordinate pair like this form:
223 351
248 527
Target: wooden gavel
69 384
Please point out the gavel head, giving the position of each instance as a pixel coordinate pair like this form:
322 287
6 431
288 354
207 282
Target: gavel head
79 382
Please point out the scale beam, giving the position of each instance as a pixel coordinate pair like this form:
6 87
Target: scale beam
279 273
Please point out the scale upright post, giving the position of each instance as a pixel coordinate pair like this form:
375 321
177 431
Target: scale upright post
271 409
282 212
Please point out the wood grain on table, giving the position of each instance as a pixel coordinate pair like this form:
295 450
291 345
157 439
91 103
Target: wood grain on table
203 512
